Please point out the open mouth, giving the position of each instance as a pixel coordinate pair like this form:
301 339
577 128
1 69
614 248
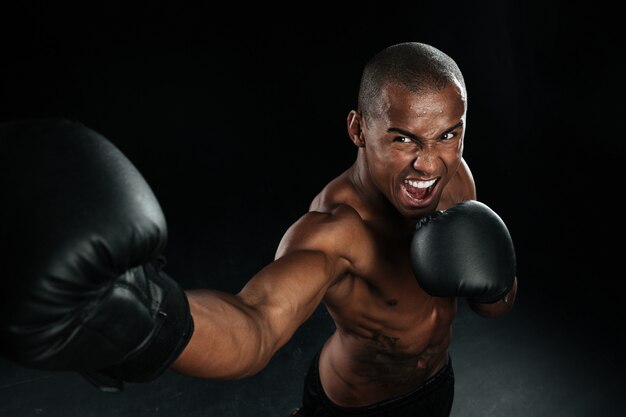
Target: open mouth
419 190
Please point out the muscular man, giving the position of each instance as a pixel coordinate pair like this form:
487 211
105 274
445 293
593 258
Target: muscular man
387 247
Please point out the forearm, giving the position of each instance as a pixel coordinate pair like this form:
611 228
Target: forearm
228 342
498 308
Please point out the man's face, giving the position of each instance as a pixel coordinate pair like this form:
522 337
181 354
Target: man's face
414 146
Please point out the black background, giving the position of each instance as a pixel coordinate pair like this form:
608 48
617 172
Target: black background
235 114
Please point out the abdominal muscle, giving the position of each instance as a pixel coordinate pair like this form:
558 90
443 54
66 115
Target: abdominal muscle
383 347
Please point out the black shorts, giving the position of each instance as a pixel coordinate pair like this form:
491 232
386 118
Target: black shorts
432 399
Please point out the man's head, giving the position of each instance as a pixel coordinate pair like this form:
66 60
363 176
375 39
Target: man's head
410 125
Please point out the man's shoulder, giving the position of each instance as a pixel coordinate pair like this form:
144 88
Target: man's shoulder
331 222
332 225
462 187
335 230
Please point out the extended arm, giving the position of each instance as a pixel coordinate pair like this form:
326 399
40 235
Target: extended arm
237 335
87 292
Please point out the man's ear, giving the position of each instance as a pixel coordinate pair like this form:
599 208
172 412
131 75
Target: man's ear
355 121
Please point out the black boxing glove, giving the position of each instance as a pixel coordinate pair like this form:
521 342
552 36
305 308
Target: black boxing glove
464 251
82 236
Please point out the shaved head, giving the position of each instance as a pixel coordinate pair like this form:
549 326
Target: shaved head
418 67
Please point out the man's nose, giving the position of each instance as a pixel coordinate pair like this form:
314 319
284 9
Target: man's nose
425 160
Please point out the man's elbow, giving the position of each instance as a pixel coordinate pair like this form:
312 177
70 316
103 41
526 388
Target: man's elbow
499 308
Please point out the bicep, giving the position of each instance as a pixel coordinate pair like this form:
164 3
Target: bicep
308 261
286 292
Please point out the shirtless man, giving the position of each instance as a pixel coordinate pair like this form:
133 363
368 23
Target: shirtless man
361 250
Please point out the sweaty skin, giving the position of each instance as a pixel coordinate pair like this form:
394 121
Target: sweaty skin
351 252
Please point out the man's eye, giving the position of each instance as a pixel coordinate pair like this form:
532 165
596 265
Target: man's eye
403 139
448 136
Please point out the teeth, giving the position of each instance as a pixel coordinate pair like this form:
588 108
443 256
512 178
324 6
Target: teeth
420 184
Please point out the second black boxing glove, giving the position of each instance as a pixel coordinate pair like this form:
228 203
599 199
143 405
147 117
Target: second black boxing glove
464 251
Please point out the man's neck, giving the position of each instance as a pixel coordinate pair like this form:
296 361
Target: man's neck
377 203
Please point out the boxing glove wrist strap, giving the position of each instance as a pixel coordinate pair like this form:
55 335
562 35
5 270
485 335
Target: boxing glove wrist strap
173 327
